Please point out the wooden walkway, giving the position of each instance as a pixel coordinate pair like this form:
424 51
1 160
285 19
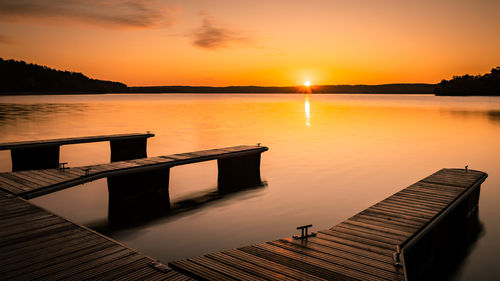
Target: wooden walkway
36 244
362 247
375 244
33 183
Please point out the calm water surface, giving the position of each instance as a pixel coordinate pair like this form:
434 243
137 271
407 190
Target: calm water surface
330 157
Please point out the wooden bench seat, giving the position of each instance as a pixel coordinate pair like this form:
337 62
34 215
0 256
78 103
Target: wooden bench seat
44 154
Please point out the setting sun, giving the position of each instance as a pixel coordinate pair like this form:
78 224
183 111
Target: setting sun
307 83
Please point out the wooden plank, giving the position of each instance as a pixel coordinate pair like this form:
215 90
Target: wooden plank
352 268
195 270
12 188
30 262
413 203
74 264
28 227
350 249
408 219
403 209
52 264
134 263
324 234
108 264
428 190
345 254
387 221
273 266
377 236
18 182
142 273
249 267
384 224
419 198
225 269
401 212
371 230
343 271
41 243
307 265
450 180
52 177
422 193
35 178
436 189
406 207
24 218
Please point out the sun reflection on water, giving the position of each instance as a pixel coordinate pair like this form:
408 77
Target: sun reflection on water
307 110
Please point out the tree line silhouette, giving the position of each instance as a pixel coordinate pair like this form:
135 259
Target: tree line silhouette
21 77
469 85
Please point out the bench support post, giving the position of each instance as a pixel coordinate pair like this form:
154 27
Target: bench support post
138 196
128 149
239 172
35 158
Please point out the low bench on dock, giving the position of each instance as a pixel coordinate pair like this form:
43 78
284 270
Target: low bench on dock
44 154
400 238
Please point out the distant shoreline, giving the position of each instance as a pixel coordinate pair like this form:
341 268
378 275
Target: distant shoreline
173 93
323 89
18 78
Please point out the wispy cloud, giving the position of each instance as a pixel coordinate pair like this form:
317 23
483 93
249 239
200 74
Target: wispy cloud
104 13
6 40
211 35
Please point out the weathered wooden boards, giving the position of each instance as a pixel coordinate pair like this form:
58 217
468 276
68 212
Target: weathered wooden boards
66 141
32 183
36 244
360 248
44 154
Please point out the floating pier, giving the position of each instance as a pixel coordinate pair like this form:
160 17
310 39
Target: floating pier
403 237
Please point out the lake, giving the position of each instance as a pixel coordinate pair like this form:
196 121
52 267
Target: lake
330 156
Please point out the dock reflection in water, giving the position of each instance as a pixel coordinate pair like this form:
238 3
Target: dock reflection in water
127 212
452 263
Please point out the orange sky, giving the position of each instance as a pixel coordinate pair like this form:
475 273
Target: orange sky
227 42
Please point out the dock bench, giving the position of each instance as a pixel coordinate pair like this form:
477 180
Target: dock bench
44 154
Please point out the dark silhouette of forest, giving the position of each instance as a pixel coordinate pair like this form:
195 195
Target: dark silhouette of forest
21 77
469 85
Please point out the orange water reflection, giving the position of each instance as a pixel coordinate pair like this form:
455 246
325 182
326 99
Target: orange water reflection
360 149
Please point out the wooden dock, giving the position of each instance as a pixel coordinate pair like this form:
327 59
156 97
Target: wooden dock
394 239
38 245
33 183
399 238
